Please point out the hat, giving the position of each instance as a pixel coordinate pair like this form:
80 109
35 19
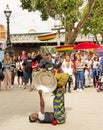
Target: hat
45 81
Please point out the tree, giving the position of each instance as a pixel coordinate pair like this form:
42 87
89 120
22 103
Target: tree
73 13
94 24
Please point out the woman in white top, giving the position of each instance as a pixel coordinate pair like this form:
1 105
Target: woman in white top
87 73
19 70
67 67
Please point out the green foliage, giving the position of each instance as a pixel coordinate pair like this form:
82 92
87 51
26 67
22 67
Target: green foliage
94 24
26 4
67 8
70 12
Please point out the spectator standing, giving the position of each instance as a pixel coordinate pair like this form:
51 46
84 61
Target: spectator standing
80 73
1 75
67 67
58 62
75 71
13 70
101 62
33 55
23 55
7 64
27 70
34 72
87 73
19 69
95 70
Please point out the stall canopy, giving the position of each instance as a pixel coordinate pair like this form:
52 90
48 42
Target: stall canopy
47 36
86 46
65 48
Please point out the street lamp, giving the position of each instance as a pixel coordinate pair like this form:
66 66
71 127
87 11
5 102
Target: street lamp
7 13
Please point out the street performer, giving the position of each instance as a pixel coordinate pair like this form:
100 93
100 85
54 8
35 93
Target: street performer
58 116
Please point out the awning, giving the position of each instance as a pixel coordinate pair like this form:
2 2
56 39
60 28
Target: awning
65 48
86 46
48 36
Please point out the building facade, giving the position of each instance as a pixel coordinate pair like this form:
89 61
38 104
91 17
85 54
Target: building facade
30 41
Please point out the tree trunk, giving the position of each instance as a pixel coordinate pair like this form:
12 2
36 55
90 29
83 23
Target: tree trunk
96 39
68 35
71 38
102 38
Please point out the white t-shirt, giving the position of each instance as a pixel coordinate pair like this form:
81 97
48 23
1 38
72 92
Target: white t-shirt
95 64
41 116
19 64
66 69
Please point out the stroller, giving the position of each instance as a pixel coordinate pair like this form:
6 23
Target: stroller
99 84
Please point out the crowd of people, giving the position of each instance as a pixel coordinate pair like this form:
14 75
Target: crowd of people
82 67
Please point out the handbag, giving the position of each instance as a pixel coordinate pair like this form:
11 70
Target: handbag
1 75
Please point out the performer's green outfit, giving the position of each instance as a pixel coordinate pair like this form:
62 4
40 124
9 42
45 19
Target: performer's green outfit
59 108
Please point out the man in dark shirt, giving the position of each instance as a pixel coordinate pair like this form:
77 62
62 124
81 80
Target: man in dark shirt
45 63
27 70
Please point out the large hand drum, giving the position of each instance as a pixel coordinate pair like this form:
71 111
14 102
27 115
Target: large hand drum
45 81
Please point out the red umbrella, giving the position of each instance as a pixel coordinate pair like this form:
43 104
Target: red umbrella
99 49
86 45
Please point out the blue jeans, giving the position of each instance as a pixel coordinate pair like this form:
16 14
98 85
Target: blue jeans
27 76
80 79
95 72
95 75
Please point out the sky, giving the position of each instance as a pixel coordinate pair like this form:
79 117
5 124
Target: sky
21 21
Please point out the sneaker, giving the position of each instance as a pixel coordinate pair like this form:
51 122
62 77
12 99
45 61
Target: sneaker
24 88
12 86
31 90
69 91
34 88
15 85
80 90
77 90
